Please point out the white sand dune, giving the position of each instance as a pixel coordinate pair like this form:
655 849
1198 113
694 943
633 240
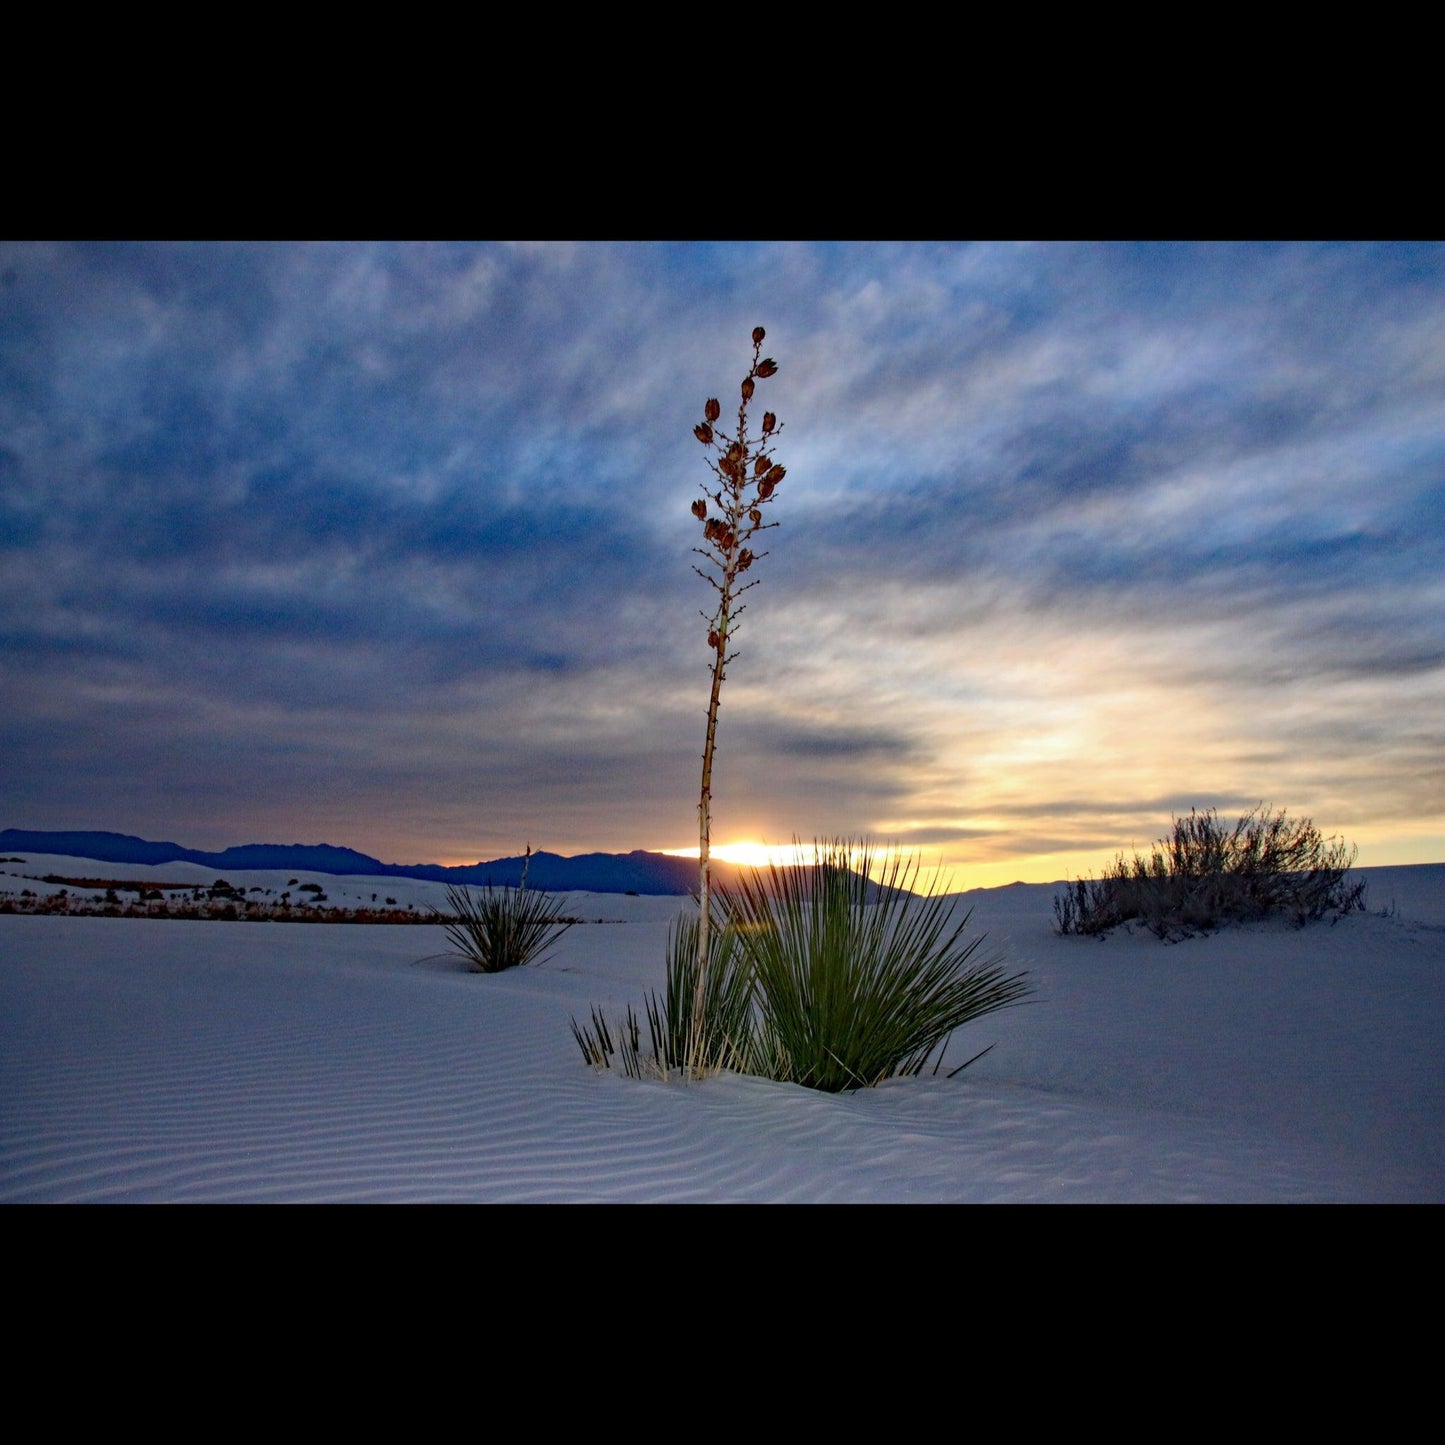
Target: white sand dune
192 1061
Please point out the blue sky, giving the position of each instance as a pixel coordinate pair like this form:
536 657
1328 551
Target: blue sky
387 544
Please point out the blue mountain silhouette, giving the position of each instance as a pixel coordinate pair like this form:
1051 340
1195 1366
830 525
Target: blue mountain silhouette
635 872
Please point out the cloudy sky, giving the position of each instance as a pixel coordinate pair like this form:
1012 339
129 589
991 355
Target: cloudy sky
387 544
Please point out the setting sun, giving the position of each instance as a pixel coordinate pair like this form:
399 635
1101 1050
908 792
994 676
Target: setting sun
935 870
759 855
753 855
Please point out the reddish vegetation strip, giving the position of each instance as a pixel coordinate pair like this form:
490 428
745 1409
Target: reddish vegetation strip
57 905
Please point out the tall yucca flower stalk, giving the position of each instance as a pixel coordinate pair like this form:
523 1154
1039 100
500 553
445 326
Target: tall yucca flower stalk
731 514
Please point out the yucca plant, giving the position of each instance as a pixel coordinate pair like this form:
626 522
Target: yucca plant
857 981
500 928
806 974
747 480
731 514
817 976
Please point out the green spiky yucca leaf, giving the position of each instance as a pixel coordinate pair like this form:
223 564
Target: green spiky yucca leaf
727 1003
855 981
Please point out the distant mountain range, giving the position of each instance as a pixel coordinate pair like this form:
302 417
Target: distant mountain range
636 872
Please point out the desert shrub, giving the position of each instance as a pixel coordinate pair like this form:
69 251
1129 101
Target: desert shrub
500 928
1206 874
819 977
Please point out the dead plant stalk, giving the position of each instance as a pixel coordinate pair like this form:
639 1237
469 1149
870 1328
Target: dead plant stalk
747 480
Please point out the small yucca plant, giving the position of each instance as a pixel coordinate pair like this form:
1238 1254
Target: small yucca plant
500 928
731 514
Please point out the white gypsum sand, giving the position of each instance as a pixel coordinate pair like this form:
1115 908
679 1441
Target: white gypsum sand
207 1061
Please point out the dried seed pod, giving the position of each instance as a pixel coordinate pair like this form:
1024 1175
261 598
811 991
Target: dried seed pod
776 474
714 641
747 388
703 432
757 517
767 367
745 560
769 422
765 490
699 509
758 334
712 410
760 466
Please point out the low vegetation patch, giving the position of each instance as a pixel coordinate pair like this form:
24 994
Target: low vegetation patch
215 902
1206 874
202 907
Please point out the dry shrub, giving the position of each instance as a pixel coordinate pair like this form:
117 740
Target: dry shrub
1206 874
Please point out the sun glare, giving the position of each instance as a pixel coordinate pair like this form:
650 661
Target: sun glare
753 855
760 855
934 869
